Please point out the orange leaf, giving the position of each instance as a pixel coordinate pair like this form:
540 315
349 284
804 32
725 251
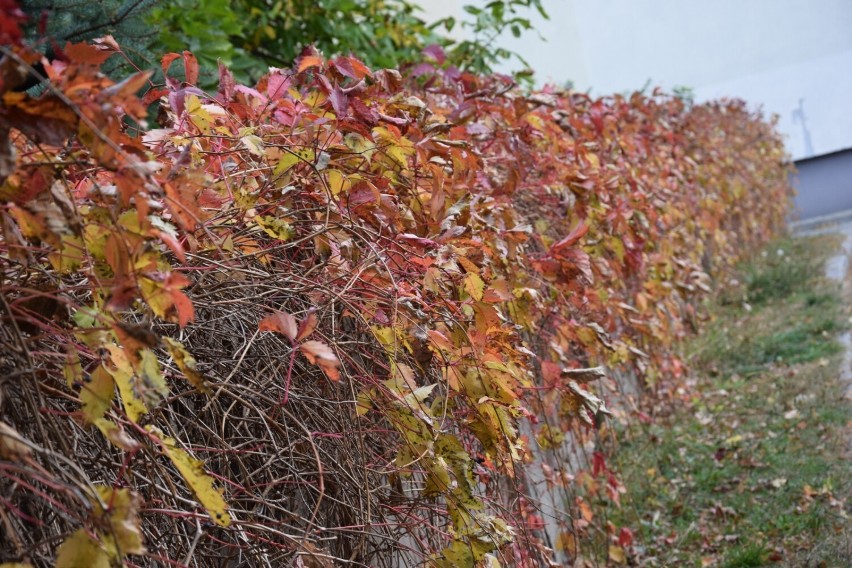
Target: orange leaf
440 340
497 292
184 308
309 61
88 54
585 510
320 354
307 325
281 322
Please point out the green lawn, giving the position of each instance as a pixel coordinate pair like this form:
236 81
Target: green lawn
752 470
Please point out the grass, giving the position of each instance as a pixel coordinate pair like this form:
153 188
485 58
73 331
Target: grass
751 470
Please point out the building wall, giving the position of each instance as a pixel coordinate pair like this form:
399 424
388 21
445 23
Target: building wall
824 184
791 57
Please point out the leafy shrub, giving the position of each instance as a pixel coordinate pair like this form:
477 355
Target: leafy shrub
381 309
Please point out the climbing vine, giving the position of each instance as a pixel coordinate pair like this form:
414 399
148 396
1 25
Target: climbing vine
345 313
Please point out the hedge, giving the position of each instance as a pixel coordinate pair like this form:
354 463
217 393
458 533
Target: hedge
345 316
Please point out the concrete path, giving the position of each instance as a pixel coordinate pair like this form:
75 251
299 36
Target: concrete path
837 269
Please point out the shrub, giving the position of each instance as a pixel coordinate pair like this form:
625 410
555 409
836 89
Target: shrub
382 309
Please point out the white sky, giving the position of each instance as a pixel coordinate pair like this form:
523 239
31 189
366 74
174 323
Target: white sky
791 57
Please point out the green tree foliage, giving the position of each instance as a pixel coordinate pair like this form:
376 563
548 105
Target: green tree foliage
52 23
249 36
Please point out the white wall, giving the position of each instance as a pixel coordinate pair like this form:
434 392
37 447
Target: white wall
792 57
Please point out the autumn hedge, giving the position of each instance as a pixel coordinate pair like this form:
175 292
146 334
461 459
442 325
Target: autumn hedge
344 315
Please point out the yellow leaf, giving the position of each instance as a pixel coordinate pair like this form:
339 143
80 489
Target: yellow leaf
116 435
151 384
122 513
387 337
68 256
79 550
363 403
292 157
474 286
95 236
274 227
72 369
192 471
337 182
186 363
198 115
397 147
359 145
616 554
96 394
122 373
254 144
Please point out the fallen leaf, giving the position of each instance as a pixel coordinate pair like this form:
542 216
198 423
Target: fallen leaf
616 554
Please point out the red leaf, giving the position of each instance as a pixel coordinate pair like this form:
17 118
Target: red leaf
575 235
436 52
351 67
280 322
226 84
339 101
551 373
172 243
416 241
190 66
182 201
440 340
498 291
625 537
598 463
107 43
167 61
277 85
10 19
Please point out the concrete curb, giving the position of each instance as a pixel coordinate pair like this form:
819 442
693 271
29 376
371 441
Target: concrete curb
821 224
837 269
